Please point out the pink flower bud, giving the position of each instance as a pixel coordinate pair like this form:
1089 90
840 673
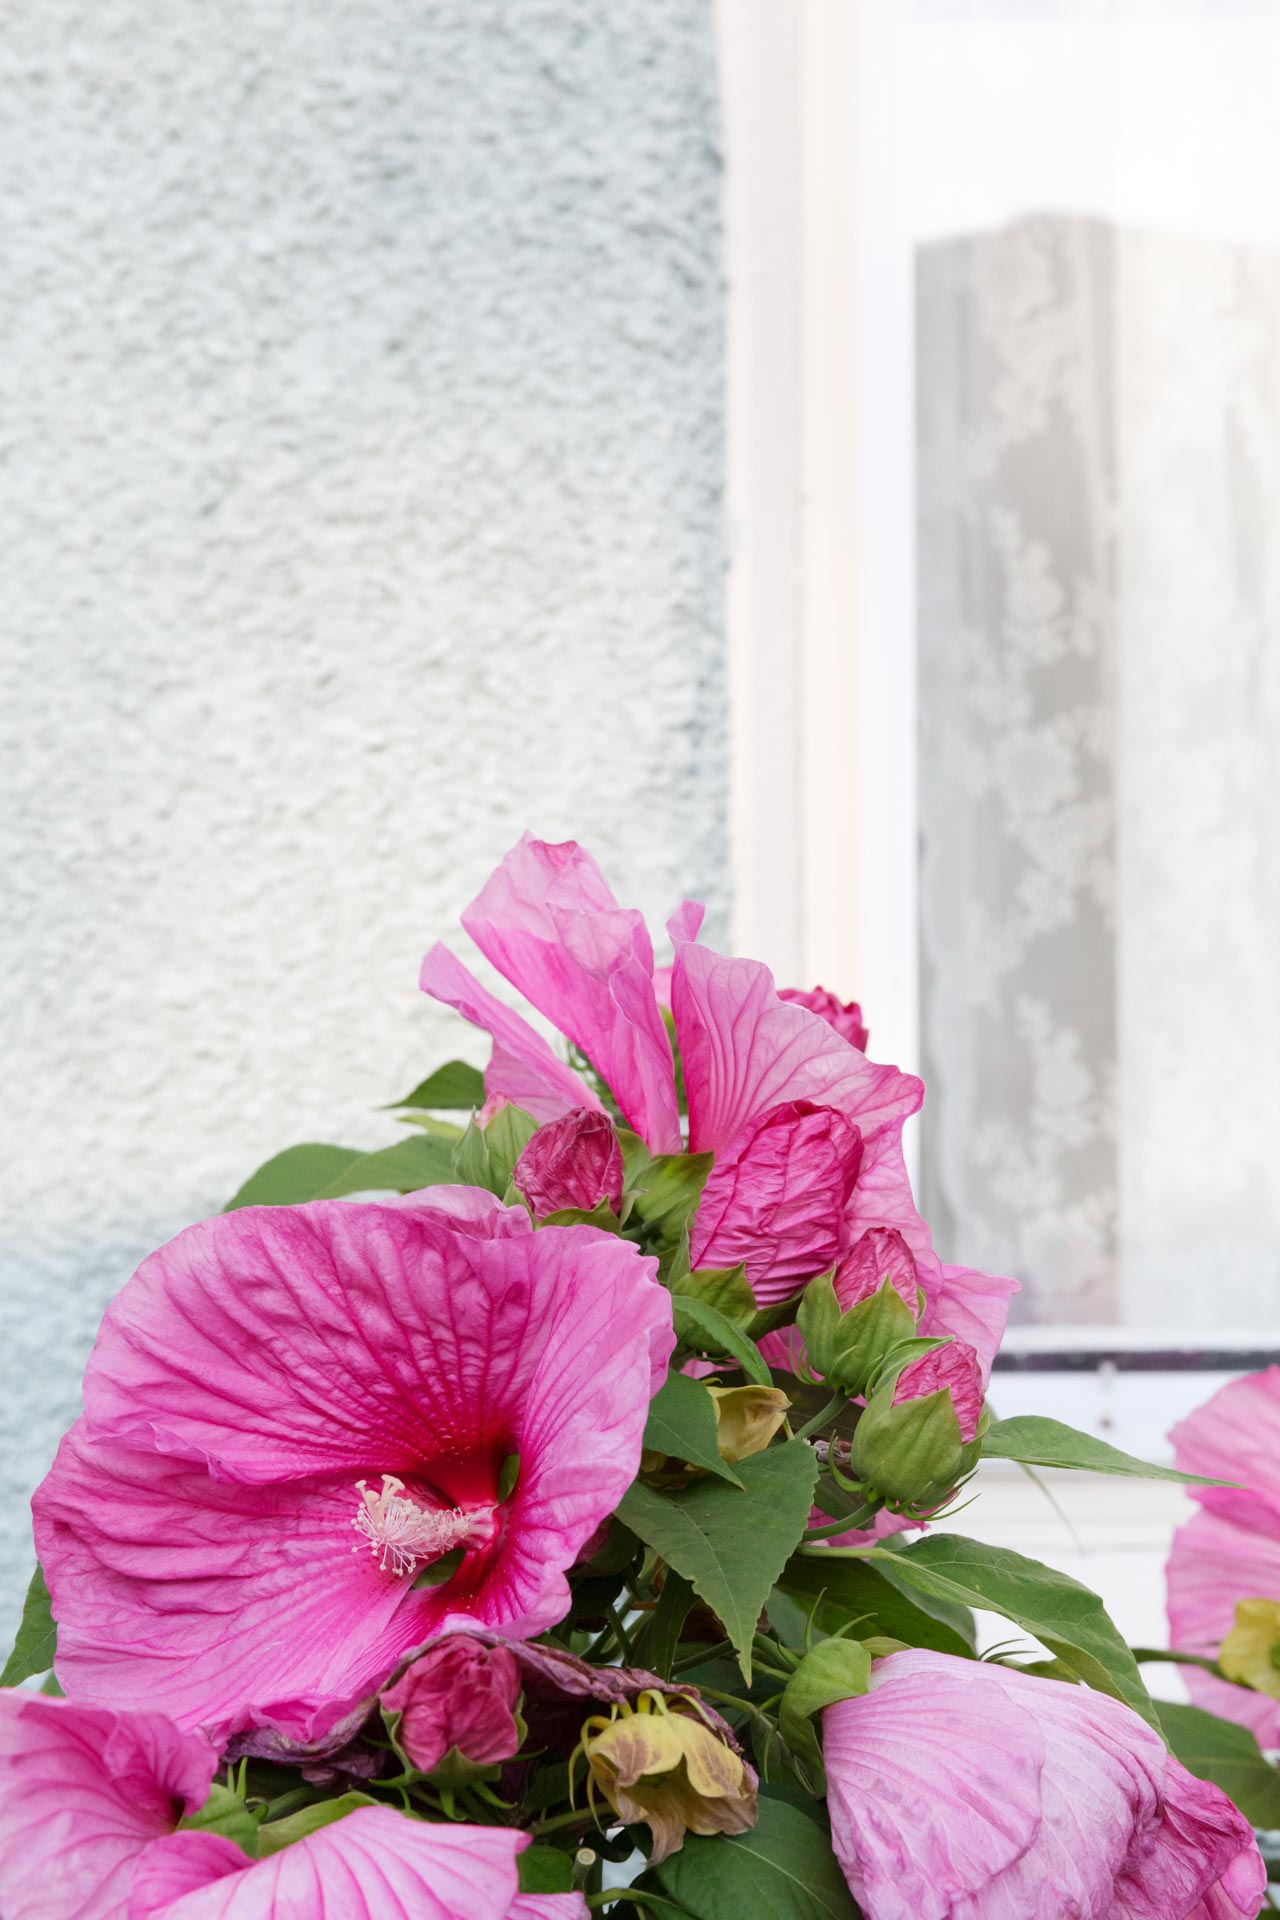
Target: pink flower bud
954 1367
573 1162
881 1254
775 1199
459 1693
846 1018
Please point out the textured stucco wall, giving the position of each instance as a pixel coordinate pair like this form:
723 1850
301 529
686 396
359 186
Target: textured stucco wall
360 464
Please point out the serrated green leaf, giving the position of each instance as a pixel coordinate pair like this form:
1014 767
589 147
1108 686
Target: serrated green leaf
682 1423
1037 1442
453 1088
37 1637
730 1544
1063 1615
707 1329
294 1176
836 1592
422 1161
1228 1755
545 1870
783 1869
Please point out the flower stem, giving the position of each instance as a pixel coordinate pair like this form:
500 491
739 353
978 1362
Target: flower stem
820 1420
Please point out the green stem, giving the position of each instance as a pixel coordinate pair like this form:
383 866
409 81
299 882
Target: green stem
702 1658
820 1420
851 1523
576 1816
620 1634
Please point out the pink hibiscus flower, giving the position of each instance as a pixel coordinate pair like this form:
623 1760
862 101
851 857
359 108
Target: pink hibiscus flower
961 1790
1230 1551
90 1801
292 1414
806 1130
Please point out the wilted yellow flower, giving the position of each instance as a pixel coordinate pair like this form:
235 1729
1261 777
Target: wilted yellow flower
747 1419
657 1761
1250 1654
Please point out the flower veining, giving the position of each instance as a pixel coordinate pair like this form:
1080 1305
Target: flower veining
404 1535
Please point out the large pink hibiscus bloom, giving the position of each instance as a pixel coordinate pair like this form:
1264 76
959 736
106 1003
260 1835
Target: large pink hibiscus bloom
1230 1550
90 1801
961 1790
807 1132
292 1414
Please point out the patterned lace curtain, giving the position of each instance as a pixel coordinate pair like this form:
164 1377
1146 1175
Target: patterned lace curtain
1099 648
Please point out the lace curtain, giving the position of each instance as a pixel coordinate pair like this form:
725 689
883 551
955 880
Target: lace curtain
1098 428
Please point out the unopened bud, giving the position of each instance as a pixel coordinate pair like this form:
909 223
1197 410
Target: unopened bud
747 1418
574 1162
916 1435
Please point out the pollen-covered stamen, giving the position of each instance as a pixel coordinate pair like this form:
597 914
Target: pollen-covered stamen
404 1535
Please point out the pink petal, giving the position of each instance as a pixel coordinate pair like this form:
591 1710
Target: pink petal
183 1863
522 1069
197 1528
375 1864
460 1693
469 1209
845 1017
83 1791
1235 1436
745 1051
776 1197
1213 1563
974 1307
961 1790
686 922
574 1162
549 1906
546 918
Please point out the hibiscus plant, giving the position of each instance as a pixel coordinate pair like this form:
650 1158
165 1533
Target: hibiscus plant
551 1514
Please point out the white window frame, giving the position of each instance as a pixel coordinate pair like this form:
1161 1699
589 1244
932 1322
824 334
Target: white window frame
821 618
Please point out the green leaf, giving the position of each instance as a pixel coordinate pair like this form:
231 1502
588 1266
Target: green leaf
37 1640
730 1545
724 1289
283 1833
837 1592
660 1635
1064 1616
453 1088
783 1869
669 1190
1229 1756
682 1423
545 1870
708 1330
297 1174
1037 1442
422 1161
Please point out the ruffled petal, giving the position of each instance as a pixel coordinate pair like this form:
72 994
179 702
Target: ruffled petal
961 1790
774 1201
547 919
550 1906
1213 1563
522 1068
1235 1436
197 1530
83 1791
468 1209
745 1051
375 1864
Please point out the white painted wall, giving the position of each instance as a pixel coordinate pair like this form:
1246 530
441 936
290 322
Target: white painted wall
360 502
